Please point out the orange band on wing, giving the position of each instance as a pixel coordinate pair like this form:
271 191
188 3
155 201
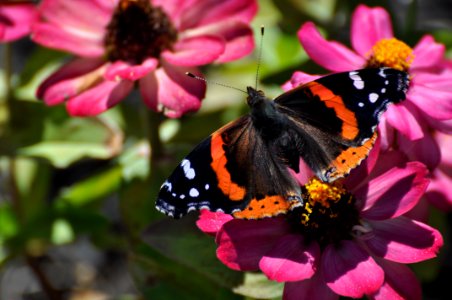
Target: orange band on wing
351 158
219 160
267 207
349 122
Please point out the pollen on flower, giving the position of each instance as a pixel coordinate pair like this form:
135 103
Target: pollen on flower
391 53
324 193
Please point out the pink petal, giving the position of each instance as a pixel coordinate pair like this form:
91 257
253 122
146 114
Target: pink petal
123 70
400 283
168 89
291 259
195 51
71 79
299 78
211 222
54 37
330 55
387 133
427 53
444 126
424 150
209 12
444 141
99 98
369 25
432 101
401 118
237 36
90 17
312 289
394 192
16 20
243 243
355 179
439 192
350 271
175 9
404 240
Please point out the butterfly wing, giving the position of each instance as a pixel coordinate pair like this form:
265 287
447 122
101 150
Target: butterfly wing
335 117
232 171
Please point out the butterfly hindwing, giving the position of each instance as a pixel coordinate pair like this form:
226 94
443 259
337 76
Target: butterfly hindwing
335 117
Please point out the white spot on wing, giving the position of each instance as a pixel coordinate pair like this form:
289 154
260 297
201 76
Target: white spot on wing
182 196
168 185
358 84
382 73
194 192
360 104
189 172
206 186
373 97
383 90
386 82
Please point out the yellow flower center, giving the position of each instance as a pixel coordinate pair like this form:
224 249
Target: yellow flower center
324 193
391 53
329 213
321 195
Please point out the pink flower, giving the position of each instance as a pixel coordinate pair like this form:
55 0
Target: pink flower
429 99
153 42
353 242
16 20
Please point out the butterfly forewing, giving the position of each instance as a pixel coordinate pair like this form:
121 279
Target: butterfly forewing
335 117
221 174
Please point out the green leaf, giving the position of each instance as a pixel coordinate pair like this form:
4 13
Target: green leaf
62 232
135 161
92 189
257 285
181 241
8 222
62 154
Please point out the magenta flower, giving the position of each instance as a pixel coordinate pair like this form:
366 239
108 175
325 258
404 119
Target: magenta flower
153 42
429 99
350 239
16 20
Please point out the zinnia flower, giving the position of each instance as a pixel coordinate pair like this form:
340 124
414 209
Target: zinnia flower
16 20
350 239
429 99
153 42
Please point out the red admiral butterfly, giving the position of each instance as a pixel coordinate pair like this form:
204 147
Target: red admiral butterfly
242 168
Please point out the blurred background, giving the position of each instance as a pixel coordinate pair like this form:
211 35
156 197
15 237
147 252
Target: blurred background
77 216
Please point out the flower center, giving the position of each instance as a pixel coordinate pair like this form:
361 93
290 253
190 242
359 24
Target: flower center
329 213
137 31
391 53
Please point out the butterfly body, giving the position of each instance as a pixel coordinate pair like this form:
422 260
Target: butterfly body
244 167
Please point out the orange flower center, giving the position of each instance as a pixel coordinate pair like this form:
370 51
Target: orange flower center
391 53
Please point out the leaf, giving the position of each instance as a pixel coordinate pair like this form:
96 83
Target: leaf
181 241
257 285
92 189
135 161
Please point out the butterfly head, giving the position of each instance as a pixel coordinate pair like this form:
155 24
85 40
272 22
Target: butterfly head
255 97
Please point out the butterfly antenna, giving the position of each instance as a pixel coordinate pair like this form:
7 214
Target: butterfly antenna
213 82
259 57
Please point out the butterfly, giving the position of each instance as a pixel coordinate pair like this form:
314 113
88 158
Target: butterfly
243 168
